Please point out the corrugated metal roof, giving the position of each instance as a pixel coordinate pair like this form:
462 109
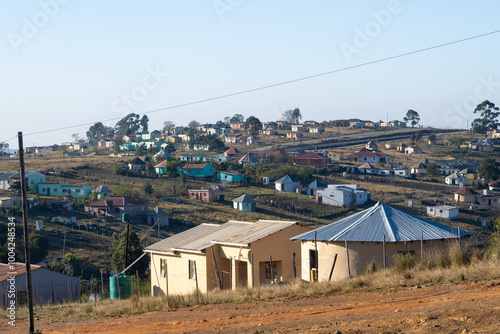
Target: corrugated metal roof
232 232
287 179
371 224
245 198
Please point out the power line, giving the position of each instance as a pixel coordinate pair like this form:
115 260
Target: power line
276 84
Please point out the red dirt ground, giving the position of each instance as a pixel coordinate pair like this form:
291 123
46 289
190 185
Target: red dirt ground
471 308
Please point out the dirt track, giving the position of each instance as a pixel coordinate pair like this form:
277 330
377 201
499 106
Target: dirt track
473 308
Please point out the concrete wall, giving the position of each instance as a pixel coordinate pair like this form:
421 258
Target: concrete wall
360 255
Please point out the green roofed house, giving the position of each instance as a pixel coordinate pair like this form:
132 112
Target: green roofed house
197 170
244 203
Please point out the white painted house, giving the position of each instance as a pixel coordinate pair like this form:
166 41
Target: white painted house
287 184
455 179
443 211
343 194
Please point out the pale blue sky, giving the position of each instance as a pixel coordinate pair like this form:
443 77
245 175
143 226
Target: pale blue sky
84 58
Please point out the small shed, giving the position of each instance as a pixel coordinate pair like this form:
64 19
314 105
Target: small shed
455 179
158 215
244 203
102 192
443 211
287 184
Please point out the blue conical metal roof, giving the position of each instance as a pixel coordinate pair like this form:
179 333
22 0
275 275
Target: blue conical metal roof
372 224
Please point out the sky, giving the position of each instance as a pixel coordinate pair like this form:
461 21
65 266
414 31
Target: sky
66 64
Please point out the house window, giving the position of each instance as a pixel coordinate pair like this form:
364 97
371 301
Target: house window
267 270
77 190
65 190
192 269
55 190
163 265
43 189
197 172
117 210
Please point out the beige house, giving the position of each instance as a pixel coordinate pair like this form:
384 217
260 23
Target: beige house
228 256
345 248
466 195
11 202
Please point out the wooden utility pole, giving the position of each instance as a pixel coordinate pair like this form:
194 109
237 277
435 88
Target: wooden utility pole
26 234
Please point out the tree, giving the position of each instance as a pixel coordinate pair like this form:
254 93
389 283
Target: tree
253 125
292 116
3 147
415 137
141 150
489 170
168 126
489 117
457 142
39 247
432 169
170 148
432 138
144 124
99 130
125 189
147 188
237 118
128 124
193 124
75 137
413 117
134 252
15 188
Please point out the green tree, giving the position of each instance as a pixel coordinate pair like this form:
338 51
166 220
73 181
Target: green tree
457 142
118 169
292 116
170 148
253 125
432 169
237 118
415 137
15 188
489 170
125 189
193 124
3 147
134 252
413 117
147 188
168 126
141 150
39 247
489 117
144 124
172 167
99 130
432 138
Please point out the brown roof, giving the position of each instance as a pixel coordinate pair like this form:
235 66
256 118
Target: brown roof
162 164
18 269
364 152
114 201
494 184
310 156
466 191
137 161
194 166
232 150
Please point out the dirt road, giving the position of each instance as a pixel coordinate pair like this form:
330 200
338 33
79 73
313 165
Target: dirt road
472 308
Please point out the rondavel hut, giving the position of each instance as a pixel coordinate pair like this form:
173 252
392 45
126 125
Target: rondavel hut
345 248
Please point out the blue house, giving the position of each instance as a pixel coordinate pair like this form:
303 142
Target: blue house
244 203
33 179
230 177
63 189
197 170
102 192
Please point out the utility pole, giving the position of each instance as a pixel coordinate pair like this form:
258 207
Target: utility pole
126 245
26 234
